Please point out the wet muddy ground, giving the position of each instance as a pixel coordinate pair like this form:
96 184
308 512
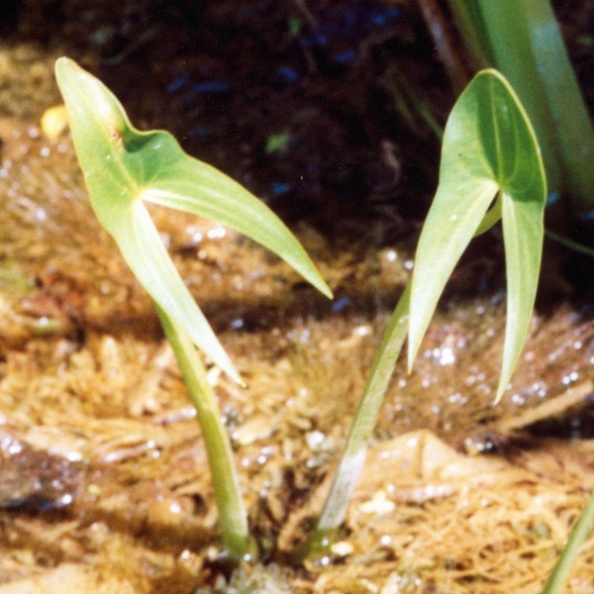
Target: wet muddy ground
104 481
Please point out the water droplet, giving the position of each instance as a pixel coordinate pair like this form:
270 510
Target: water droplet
314 440
217 232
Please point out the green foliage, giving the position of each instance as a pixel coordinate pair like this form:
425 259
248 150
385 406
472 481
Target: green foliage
277 143
489 151
123 167
491 169
521 38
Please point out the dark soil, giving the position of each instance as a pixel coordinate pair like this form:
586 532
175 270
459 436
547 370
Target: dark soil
229 79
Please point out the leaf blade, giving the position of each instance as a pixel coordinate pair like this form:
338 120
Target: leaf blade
522 263
489 148
465 191
224 200
122 166
144 252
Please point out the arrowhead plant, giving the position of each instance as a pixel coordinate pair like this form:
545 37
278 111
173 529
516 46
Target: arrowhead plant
491 169
123 168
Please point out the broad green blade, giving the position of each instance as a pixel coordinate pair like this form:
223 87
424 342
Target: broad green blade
122 166
152 166
202 190
489 149
526 45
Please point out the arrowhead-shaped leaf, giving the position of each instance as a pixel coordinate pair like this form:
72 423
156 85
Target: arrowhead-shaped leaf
489 150
124 166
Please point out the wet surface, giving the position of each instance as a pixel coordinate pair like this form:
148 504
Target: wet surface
133 473
103 461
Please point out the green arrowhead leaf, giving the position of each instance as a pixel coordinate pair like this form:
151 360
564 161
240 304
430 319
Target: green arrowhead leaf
489 150
124 166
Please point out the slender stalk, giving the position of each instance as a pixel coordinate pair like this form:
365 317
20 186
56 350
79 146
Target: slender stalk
409 105
578 535
355 451
232 515
572 245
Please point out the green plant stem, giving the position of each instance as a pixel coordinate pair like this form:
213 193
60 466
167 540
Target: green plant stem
355 451
578 535
232 515
572 245
410 106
